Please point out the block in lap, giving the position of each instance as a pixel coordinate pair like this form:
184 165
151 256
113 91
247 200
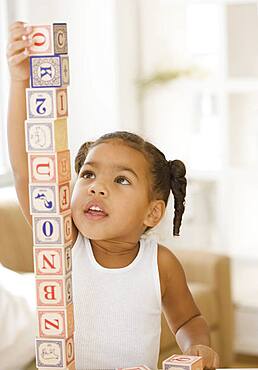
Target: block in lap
48 103
182 362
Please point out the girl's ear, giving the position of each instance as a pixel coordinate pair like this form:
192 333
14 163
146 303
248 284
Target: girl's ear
155 213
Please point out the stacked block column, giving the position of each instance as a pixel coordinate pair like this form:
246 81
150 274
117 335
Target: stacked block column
49 189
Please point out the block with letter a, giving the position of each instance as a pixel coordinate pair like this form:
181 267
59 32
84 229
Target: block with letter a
49 71
52 199
46 103
54 292
182 362
52 261
46 136
52 230
49 39
54 353
49 168
55 323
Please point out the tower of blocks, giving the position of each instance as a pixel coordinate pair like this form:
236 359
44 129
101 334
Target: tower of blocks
49 189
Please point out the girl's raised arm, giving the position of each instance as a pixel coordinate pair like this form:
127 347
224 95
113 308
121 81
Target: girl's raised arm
18 63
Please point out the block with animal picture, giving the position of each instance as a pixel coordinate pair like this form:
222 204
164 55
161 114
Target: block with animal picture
54 353
54 199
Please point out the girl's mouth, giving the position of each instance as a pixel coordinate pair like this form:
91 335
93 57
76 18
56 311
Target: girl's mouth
95 212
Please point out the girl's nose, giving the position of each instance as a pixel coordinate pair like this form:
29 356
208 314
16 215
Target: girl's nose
97 189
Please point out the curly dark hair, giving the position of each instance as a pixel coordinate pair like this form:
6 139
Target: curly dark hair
166 175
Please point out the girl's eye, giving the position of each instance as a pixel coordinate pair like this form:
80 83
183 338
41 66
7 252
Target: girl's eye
87 175
122 180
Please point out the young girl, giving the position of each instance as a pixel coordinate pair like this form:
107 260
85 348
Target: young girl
122 279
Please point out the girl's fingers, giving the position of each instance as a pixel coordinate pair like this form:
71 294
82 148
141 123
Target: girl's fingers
16 46
17 33
18 58
15 25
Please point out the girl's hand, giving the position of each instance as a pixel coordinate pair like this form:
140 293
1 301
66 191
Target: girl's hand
17 52
209 357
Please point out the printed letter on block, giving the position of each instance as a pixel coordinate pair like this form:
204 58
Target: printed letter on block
52 261
54 292
49 39
54 353
56 323
49 168
46 103
46 136
52 230
183 362
52 199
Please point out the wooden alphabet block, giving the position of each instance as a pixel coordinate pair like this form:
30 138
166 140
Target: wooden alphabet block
49 71
183 362
46 103
52 261
47 136
55 323
49 39
56 292
52 199
71 366
54 353
52 230
49 168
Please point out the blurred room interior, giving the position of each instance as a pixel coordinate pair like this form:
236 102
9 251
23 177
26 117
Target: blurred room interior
183 74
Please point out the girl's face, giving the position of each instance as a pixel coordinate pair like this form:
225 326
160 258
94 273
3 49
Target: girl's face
111 196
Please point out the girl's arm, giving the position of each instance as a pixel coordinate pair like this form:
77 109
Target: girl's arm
19 80
182 314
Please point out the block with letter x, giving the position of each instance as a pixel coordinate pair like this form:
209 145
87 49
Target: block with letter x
55 323
49 168
48 103
49 39
49 71
54 353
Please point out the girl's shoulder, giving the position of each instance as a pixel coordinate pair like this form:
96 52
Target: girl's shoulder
170 268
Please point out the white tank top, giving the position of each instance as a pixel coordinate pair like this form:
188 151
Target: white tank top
117 311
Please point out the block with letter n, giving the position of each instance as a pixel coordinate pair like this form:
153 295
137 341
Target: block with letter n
53 261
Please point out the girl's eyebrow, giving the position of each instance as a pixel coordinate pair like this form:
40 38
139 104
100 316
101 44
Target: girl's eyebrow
116 167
